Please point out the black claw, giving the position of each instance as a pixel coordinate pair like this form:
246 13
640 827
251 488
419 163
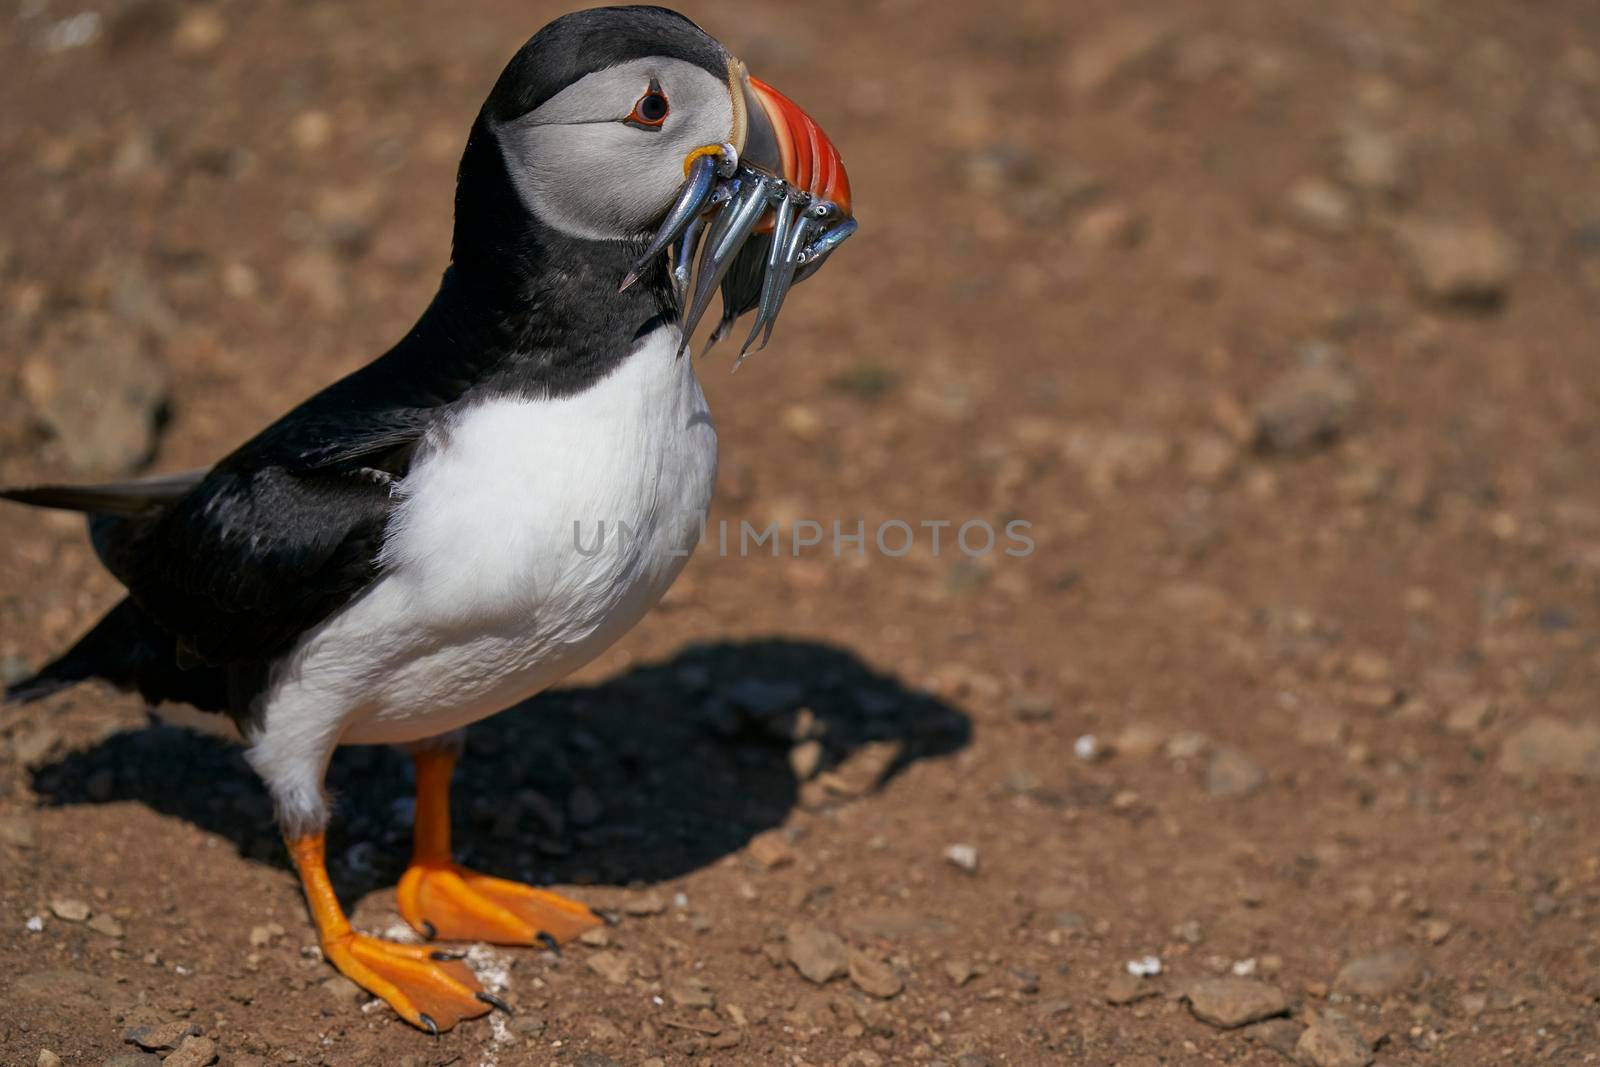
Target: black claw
445 956
494 1001
548 942
427 1021
429 930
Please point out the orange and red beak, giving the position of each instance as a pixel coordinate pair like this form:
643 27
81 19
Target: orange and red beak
785 142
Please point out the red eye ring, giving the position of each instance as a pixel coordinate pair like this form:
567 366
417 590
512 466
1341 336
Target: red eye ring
650 111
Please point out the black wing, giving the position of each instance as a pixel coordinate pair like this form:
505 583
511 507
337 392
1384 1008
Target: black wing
226 568
251 558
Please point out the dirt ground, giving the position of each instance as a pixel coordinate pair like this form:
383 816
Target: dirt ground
1274 320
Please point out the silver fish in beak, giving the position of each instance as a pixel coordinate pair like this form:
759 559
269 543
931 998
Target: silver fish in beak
761 213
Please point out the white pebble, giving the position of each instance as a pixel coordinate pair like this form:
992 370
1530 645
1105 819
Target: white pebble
1086 747
1244 968
402 933
35 923
73 32
1146 967
963 856
681 900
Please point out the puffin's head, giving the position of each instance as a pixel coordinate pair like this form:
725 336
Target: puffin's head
631 124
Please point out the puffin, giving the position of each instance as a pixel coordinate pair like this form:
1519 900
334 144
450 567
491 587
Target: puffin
400 555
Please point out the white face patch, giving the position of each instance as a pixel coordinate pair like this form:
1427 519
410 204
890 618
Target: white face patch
581 169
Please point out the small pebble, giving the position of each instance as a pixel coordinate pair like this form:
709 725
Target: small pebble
963 856
874 977
771 849
805 759
1380 974
614 967
1471 262
960 971
69 909
1233 774
16 831
105 924
1321 207
1232 1002
1332 1040
818 954
1187 745
266 934
692 992
648 904
1128 988
1308 407
160 1036
343 991
193 1052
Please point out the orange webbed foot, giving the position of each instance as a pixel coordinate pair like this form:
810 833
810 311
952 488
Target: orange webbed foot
451 902
430 990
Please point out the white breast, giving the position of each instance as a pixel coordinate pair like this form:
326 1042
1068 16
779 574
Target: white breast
496 583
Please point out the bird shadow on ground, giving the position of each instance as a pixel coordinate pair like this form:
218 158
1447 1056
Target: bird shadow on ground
647 776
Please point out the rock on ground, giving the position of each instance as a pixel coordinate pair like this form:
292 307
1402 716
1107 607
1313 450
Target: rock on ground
614 967
873 976
1307 407
194 1052
1550 746
160 1037
1232 1002
1321 207
70 910
1125 988
771 849
1381 973
1373 160
818 954
1233 774
1460 262
1332 1040
1280 1035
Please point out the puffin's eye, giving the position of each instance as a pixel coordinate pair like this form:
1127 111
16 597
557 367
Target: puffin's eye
650 111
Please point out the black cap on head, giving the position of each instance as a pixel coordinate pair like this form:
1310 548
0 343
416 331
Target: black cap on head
586 41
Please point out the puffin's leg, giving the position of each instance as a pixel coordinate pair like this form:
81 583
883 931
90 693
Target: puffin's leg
429 990
442 899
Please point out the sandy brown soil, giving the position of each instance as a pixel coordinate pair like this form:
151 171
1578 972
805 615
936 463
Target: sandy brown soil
1277 321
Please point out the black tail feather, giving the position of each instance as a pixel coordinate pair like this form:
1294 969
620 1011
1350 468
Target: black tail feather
38 687
113 498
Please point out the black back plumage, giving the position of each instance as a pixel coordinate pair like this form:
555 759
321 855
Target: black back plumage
223 579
